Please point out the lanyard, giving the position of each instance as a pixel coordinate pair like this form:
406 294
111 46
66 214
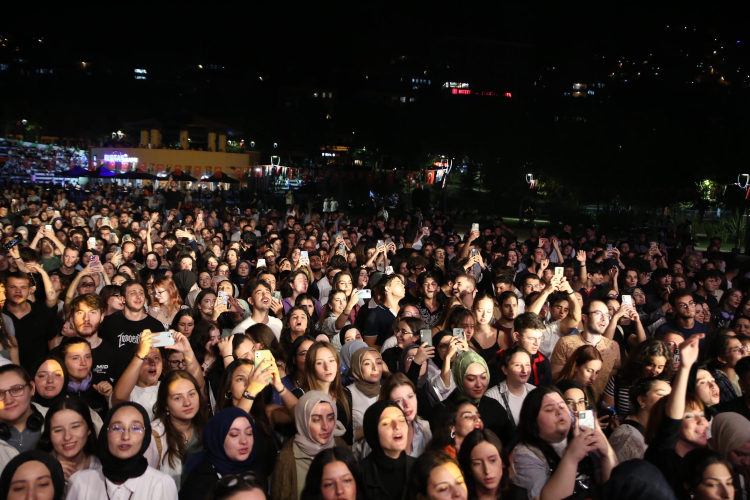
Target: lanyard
106 489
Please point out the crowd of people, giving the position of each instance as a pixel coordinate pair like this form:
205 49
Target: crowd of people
170 350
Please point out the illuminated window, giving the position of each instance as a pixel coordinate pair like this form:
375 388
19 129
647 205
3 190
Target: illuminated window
315 94
330 95
412 99
324 95
403 99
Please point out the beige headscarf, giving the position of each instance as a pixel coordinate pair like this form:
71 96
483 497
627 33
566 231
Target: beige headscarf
729 431
305 447
369 389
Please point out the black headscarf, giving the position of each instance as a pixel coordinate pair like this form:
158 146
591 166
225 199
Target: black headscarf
54 467
116 469
392 468
184 281
342 333
569 383
38 398
214 435
436 342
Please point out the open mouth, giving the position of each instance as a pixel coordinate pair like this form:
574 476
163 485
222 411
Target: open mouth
244 451
69 446
326 435
398 438
49 388
152 372
124 447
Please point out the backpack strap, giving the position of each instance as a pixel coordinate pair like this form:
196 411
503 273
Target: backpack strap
157 440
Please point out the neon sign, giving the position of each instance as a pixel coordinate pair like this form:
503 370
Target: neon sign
118 157
461 91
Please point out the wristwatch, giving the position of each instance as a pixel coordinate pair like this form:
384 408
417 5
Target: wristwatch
247 395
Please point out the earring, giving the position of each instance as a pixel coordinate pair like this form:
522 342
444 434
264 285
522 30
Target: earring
167 412
643 407
228 395
453 435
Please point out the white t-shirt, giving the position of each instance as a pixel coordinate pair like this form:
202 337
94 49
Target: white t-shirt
91 484
273 323
146 397
515 403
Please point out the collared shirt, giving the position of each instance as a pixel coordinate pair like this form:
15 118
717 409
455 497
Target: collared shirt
91 484
430 318
609 350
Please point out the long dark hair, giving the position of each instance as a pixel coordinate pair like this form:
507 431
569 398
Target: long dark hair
641 358
258 410
528 426
285 338
200 337
77 405
421 470
291 366
441 433
474 438
176 447
325 457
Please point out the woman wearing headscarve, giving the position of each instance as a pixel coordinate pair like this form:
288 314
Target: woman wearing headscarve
229 448
730 438
125 473
386 469
347 351
203 283
241 273
366 368
33 474
317 429
471 376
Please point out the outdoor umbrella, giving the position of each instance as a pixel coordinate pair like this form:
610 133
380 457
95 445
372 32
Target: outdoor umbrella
74 172
135 175
183 177
224 178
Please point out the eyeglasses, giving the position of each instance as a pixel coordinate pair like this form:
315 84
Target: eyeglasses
602 314
159 292
15 391
677 268
400 331
88 285
533 340
177 362
232 480
302 354
738 350
639 294
572 404
686 305
118 429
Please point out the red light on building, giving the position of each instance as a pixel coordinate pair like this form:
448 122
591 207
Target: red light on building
507 94
461 91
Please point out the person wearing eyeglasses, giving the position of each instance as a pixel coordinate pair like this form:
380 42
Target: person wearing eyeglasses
596 318
684 307
168 301
20 419
125 472
724 351
203 283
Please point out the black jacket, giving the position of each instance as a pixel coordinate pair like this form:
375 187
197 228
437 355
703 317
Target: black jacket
493 415
373 482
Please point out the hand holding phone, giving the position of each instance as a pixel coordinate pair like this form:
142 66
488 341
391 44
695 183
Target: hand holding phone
261 263
475 227
162 339
425 336
586 419
366 294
